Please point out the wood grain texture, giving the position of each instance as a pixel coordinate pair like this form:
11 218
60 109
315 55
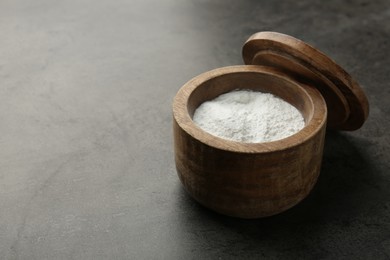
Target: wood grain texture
248 180
347 103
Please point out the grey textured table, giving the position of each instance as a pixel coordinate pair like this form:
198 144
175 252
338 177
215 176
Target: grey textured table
86 157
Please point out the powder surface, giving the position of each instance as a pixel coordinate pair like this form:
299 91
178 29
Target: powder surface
249 117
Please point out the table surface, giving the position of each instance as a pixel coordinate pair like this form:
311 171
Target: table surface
86 155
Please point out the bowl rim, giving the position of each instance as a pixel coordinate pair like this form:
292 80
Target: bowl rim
183 119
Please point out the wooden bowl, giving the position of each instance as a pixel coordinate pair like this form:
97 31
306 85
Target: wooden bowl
248 180
251 180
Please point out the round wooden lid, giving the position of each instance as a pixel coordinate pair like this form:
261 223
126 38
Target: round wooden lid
346 102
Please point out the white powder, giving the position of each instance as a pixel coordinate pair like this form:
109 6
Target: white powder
249 117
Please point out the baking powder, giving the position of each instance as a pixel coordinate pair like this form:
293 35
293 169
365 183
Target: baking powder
249 117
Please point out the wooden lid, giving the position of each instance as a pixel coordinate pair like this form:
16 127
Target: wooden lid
347 104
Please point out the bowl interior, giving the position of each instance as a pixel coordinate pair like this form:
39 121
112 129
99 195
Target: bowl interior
289 91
